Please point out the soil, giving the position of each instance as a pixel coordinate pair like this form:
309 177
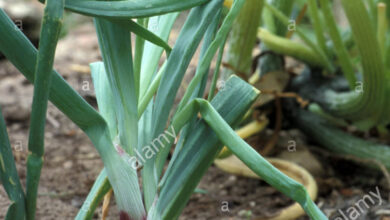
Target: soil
71 163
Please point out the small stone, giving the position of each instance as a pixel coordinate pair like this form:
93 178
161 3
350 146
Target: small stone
232 178
68 164
76 203
223 193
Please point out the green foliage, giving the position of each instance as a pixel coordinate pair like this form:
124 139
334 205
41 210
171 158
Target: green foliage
341 142
130 120
243 38
51 29
9 176
357 106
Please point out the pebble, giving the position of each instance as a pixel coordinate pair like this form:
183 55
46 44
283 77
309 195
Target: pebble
223 193
232 178
68 164
77 202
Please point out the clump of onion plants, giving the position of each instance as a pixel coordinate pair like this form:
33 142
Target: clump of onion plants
332 53
133 131
360 54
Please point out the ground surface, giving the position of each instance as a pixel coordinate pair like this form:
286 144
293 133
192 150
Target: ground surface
71 162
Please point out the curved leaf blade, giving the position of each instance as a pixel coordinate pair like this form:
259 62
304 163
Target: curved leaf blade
130 9
9 176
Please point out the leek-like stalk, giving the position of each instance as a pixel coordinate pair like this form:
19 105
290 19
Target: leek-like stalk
138 54
243 38
274 62
341 51
161 26
362 108
216 71
51 28
341 142
145 100
206 60
317 25
279 28
291 48
283 18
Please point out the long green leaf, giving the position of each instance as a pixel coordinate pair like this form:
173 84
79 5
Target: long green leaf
161 26
207 58
145 33
243 38
51 27
198 92
104 97
340 48
216 71
202 70
284 19
105 102
115 45
207 41
95 196
9 176
282 45
317 25
274 62
151 91
200 148
189 38
177 63
130 9
275 25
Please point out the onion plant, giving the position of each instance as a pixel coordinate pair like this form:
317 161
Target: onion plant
243 38
359 54
369 37
274 62
137 123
